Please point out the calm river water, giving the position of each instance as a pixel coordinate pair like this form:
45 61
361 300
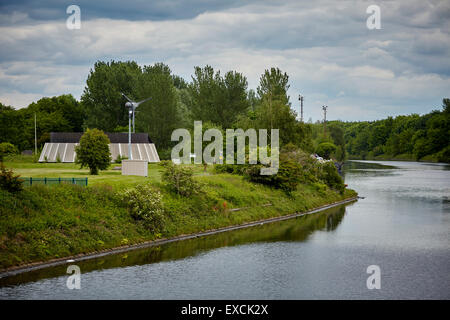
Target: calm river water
402 226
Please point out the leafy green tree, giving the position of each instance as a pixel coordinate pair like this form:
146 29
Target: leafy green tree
11 126
325 149
7 149
160 115
102 99
273 111
217 99
65 107
179 82
415 136
274 84
446 105
56 114
93 151
179 179
337 135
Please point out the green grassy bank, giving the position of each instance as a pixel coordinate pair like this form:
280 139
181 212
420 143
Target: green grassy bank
46 222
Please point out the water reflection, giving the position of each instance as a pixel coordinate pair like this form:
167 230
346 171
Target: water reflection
296 229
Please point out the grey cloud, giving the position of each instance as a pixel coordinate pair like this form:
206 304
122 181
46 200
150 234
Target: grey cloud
325 47
116 9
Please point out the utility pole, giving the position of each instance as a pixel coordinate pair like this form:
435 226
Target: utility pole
324 108
300 98
35 136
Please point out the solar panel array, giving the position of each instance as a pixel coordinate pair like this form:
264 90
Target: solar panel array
65 152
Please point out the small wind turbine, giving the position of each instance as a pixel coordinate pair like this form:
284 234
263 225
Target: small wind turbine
131 105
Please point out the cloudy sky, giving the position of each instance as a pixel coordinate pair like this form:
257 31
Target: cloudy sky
330 55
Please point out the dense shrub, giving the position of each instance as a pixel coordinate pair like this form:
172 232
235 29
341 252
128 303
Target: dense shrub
297 166
325 149
9 181
331 177
232 168
179 179
144 203
310 168
287 178
7 149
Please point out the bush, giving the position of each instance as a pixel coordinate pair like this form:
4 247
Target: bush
7 149
8 181
179 179
331 177
239 169
93 151
325 149
120 158
144 203
287 178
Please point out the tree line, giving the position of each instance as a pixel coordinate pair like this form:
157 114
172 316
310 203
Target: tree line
222 101
406 137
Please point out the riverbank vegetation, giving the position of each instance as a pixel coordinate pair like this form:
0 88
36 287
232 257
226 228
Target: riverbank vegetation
47 222
411 137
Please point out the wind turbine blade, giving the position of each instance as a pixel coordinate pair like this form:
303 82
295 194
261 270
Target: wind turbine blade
126 97
138 103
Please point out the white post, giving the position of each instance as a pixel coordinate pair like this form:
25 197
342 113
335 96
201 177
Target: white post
133 122
129 137
35 135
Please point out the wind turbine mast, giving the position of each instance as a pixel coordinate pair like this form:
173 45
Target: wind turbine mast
131 105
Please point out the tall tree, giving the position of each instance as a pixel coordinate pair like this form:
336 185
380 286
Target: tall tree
273 111
101 98
160 115
67 108
62 113
218 99
274 84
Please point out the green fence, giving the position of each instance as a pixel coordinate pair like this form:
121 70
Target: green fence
54 181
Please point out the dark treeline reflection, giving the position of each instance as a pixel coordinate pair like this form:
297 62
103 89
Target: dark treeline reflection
367 169
296 229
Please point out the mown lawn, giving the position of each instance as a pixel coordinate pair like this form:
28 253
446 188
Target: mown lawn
26 168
